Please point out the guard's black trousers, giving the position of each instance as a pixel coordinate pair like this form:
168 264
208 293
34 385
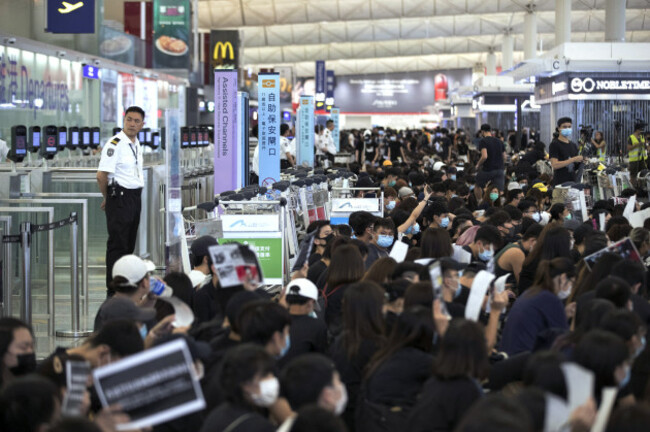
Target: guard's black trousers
122 219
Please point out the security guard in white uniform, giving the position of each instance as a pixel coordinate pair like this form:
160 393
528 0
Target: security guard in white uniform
120 180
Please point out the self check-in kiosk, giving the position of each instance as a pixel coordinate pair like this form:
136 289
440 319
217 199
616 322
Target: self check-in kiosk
50 140
18 149
95 143
34 139
155 140
73 137
193 137
62 142
185 137
85 138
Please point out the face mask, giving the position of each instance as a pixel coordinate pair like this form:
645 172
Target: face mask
626 380
444 223
143 331
342 402
26 364
328 238
385 241
486 255
471 188
537 217
566 132
453 177
454 195
287 345
392 183
269 391
563 295
494 196
390 205
569 216
414 229
458 290
640 349
573 243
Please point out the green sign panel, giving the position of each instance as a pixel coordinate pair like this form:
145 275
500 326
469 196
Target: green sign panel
171 21
269 253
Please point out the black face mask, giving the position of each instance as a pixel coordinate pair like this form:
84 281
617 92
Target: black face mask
327 239
26 364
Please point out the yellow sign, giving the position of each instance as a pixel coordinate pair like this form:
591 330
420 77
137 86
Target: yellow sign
226 48
305 102
268 83
70 7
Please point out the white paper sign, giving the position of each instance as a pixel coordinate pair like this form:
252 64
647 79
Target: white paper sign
183 315
461 255
601 221
606 404
480 286
399 251
629 207
583 206
557 413
344 205
637 219
579 383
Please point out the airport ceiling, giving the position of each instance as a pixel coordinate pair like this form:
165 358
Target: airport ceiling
376 36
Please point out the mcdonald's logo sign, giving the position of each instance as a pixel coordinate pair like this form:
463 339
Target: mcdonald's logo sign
223 48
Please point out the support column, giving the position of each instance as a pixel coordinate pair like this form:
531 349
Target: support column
491 63
615 21
507 47
530 33
562 21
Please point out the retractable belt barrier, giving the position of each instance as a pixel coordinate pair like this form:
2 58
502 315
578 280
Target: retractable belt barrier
27 229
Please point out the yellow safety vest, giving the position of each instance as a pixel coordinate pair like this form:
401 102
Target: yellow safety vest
601 154
637 153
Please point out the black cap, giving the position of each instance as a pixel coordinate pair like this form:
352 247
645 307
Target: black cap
563 120
451 264
201 245
486 127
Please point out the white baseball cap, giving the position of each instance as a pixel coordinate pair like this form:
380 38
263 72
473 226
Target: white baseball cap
438 166
303 288
513 185
131 267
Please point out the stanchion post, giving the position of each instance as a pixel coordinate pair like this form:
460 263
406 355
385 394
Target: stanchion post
74 283
25 242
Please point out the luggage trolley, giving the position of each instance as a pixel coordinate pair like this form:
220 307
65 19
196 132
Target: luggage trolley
343 203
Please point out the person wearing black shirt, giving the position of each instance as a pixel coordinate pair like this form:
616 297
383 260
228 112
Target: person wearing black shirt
490 167
564 154
307 333
395 149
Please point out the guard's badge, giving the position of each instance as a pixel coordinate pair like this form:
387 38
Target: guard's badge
110 152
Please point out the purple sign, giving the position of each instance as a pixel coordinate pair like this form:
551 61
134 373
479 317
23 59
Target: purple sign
225 130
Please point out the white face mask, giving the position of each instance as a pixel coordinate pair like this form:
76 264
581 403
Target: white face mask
269 391
564 294
342 402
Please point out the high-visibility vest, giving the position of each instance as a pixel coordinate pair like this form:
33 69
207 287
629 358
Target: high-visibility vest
601 154
637 153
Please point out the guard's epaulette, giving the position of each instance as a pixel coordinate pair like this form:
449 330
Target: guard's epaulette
115 141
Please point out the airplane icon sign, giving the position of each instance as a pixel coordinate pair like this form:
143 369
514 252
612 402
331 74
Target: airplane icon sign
68 7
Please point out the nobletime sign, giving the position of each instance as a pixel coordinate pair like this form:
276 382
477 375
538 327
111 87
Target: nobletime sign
579 85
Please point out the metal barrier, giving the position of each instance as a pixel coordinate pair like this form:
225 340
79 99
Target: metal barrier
50 270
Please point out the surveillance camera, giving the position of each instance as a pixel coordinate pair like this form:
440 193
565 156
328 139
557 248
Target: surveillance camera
10 41
97 62
60 54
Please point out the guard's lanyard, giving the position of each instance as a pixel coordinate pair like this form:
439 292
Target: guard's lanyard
135 155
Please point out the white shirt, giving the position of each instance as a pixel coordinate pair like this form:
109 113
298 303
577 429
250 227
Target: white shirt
122 160
285 147
292 147
325 144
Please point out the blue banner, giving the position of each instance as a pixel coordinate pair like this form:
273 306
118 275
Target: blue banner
320 84
329 90
268 113
305 132
71 16
225 130
336 133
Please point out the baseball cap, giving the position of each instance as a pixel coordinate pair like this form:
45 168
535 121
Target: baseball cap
131 267
438 166
303 287
124 308
513 186
201 245
405 191
387 163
